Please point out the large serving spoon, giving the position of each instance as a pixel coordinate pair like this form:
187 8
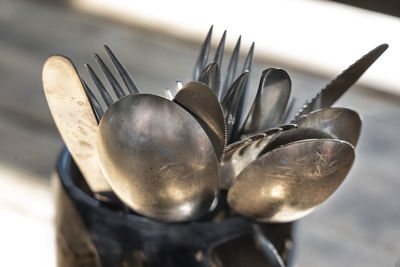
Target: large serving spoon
342 123
270 101
157 158
287 183
74 117
200 101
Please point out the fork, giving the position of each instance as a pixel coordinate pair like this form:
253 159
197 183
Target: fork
233 92
129 82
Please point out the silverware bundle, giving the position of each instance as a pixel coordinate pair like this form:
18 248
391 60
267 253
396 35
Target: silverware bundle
167 159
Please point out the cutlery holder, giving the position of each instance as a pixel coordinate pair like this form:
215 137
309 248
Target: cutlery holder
90 232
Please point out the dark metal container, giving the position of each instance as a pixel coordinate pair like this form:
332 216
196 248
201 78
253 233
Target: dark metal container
91 232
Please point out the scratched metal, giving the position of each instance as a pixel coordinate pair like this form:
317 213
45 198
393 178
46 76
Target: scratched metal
157 158
290 181
202 103
74 117
342 123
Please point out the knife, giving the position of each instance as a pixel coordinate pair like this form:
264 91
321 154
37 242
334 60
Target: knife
337 87
74 118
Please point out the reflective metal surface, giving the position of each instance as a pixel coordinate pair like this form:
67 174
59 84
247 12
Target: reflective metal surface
232 106
337 87
73 115
289 182
342 123
157 158
240 154
211 76
203 104
270 101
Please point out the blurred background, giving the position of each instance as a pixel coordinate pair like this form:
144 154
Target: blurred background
159 42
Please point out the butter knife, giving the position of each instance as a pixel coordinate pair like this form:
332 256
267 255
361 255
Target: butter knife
74 118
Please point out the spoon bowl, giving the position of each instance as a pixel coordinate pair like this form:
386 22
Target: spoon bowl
342 123
202 103
287 183
157 158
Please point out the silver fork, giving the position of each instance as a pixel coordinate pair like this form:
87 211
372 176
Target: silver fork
119 91
233 92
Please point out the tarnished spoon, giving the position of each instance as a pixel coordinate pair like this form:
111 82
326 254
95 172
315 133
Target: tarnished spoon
270 102
203 104
292 135
236 159
289 182
157 158
239 154
342 123
74 117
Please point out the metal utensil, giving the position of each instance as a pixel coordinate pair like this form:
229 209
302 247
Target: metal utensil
157 158
235 160
240 154
202 103
232 105
231 94
73 115
342 123
289 182
270 101
337 87
211 76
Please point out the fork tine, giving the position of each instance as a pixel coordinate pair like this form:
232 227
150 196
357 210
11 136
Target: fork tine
203 56
110 77
96 107
126 77
231 68
249 59
211 76
219 54
106 96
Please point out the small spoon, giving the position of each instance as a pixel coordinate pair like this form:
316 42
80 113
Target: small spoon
342 123
203 104
157 158
270 102
289 182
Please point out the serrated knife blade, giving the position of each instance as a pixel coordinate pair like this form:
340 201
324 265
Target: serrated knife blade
337 87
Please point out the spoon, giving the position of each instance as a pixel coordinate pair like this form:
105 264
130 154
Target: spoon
287 183
239 154
237 159
270 102
157 158
342 123
203 104
74 117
